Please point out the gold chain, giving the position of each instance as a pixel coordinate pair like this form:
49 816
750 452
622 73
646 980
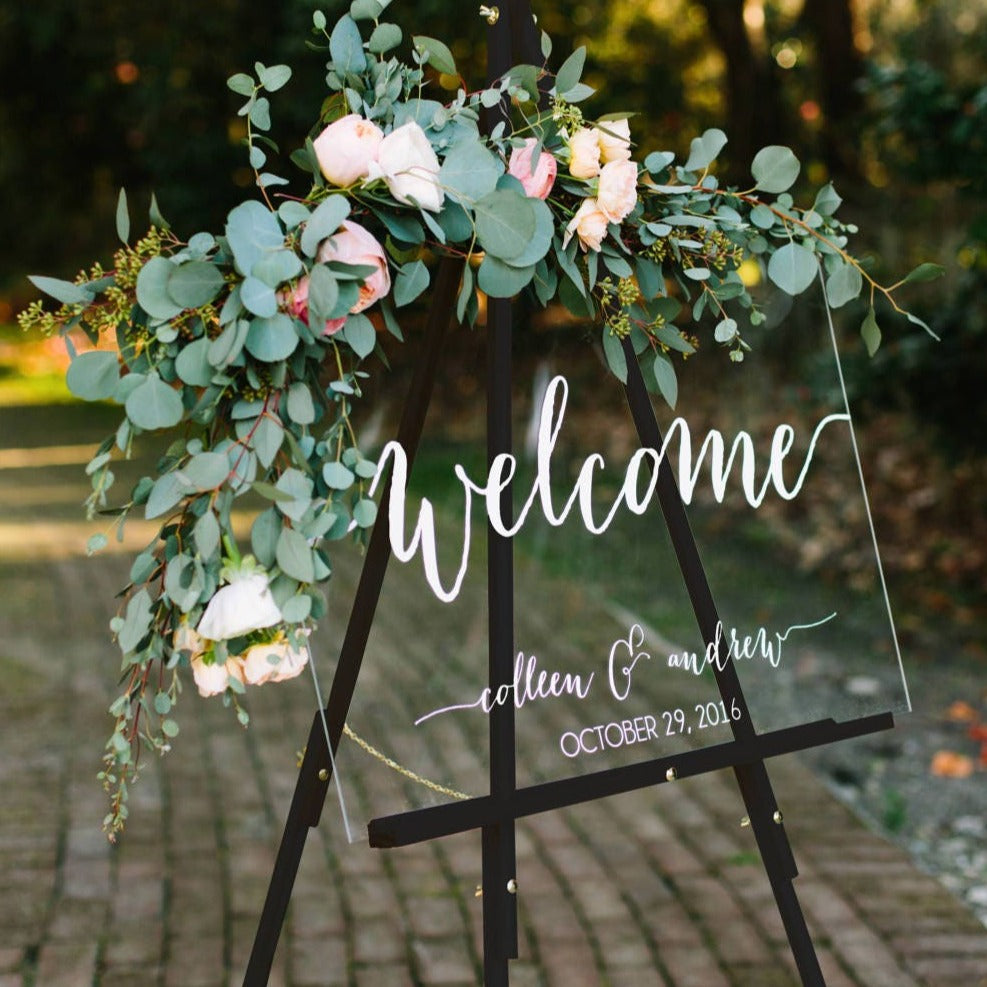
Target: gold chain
400 769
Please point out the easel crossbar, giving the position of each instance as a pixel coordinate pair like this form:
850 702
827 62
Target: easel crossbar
421 825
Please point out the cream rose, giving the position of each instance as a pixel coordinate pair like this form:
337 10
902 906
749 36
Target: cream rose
345 149
589 224
614 137
242 606
212 679
409 166
617 193
536 177
273 662
584 154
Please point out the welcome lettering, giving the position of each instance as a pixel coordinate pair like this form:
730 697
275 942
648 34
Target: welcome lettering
722 463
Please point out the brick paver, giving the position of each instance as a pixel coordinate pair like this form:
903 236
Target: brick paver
658 887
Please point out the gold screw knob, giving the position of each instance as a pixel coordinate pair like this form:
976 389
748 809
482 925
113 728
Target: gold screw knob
671 774
478 893
490 14
778 816
512 886
324 774
746 821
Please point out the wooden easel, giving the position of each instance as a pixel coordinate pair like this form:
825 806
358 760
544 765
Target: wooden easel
512 33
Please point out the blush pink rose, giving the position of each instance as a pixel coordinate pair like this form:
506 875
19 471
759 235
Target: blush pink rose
589 224
345 149
351 244
537 178
614 137
584 154
617 192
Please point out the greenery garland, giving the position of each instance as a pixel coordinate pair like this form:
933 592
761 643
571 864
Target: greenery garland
253 340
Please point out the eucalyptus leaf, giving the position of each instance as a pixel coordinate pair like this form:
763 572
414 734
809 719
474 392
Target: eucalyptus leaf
62 291
792 268
924 272
500 280
469 172
93 376
775 169
613 350
258 297
664 376
267 439
704 149
152 289
153 404
252 230
206 471
570 71
505 223
411 281
294 557
870 332
207 535
325 221
346 46
264 533
843 285
383 38
194 284
273 339
123 218
436 53
359 332
300 407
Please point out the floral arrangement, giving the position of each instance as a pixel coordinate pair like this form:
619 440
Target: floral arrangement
252 342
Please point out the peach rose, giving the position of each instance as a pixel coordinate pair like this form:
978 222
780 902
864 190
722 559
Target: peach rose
273 662
584 151
589 224
614 137
537 178
409 166
345 149
617 193
212 679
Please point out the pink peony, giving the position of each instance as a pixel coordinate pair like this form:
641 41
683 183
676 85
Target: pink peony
346 148
537 179
617 193
584 154
589 224
351 244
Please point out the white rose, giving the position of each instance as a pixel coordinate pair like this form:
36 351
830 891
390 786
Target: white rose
243 606
409 166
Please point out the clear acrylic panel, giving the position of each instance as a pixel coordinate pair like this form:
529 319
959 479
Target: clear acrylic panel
610 665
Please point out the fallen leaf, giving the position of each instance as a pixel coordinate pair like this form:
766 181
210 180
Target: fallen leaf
949 764
978 732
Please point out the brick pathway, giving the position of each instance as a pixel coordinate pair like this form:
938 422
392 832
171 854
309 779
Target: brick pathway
661 887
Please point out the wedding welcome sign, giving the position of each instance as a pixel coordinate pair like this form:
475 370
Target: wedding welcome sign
610 667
